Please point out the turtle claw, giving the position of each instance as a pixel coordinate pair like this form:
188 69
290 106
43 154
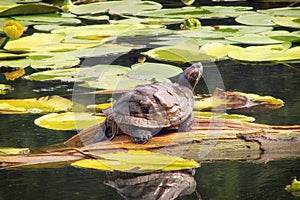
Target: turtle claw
141 136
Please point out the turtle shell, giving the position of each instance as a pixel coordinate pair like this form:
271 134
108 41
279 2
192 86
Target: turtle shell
156 105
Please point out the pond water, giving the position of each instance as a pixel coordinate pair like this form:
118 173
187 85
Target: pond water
214 181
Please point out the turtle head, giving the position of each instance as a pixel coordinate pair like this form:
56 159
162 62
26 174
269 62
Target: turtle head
191 76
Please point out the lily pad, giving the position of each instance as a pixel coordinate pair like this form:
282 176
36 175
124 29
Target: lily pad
68 120
237 117
27 9
284 11
43 61
138 161
41 105
293 22
187 51
255 19
115 7
217 50
253 39
271 53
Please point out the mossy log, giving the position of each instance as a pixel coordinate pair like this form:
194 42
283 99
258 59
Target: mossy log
211 139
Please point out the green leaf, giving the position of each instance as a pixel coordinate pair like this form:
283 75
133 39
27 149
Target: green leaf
271 53
68 120
284 11
187 51
41 105
293 22
255 19
217 50
237 117
115 7
13 151
27 9
253 39
138 161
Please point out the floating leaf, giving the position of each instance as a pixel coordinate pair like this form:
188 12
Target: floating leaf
217 50
150 71
187 51
284 11
68 120
271 53
41 105
138 161
255 19
284 35
293 22
237 117
13 151
99 107
294 188
253 39
115 7
27 9
43 61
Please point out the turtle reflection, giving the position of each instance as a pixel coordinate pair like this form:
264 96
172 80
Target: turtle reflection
156 185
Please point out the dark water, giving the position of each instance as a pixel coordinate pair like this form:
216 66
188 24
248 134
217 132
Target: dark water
215 181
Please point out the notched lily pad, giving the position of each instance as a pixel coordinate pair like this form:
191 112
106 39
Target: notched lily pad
68 120
42 105
27 9
137 161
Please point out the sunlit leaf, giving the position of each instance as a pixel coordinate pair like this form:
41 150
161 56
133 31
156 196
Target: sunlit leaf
137 160
237 117
217 50
99 107
41 105
255 19
258 98
293 22
115 7
13 151
271 53
253 39
294 188
27 9
284 11
187 51
34 41
68 120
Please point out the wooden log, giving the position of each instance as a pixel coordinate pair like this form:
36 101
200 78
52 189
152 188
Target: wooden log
211 139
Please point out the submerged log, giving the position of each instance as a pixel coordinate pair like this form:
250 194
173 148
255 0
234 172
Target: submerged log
211 139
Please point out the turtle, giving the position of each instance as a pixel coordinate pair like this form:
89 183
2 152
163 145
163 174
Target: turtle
146 110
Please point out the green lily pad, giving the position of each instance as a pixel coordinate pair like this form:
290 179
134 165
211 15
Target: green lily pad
271 53
137 160
187 51
8 56
41 105
255 19
68 120
253 39
46 19
34 42
237 117
284 11
149 71
293 22
115 7
217 50
43 61
27 9
284 35
203 12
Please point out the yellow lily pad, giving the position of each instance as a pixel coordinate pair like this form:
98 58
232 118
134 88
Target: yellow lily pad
218 50
42 105
237 117
137 160
5 88
13 151
68 120
99 107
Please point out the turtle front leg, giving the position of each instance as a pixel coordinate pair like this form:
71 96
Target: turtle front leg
186 124
100 136
140 136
